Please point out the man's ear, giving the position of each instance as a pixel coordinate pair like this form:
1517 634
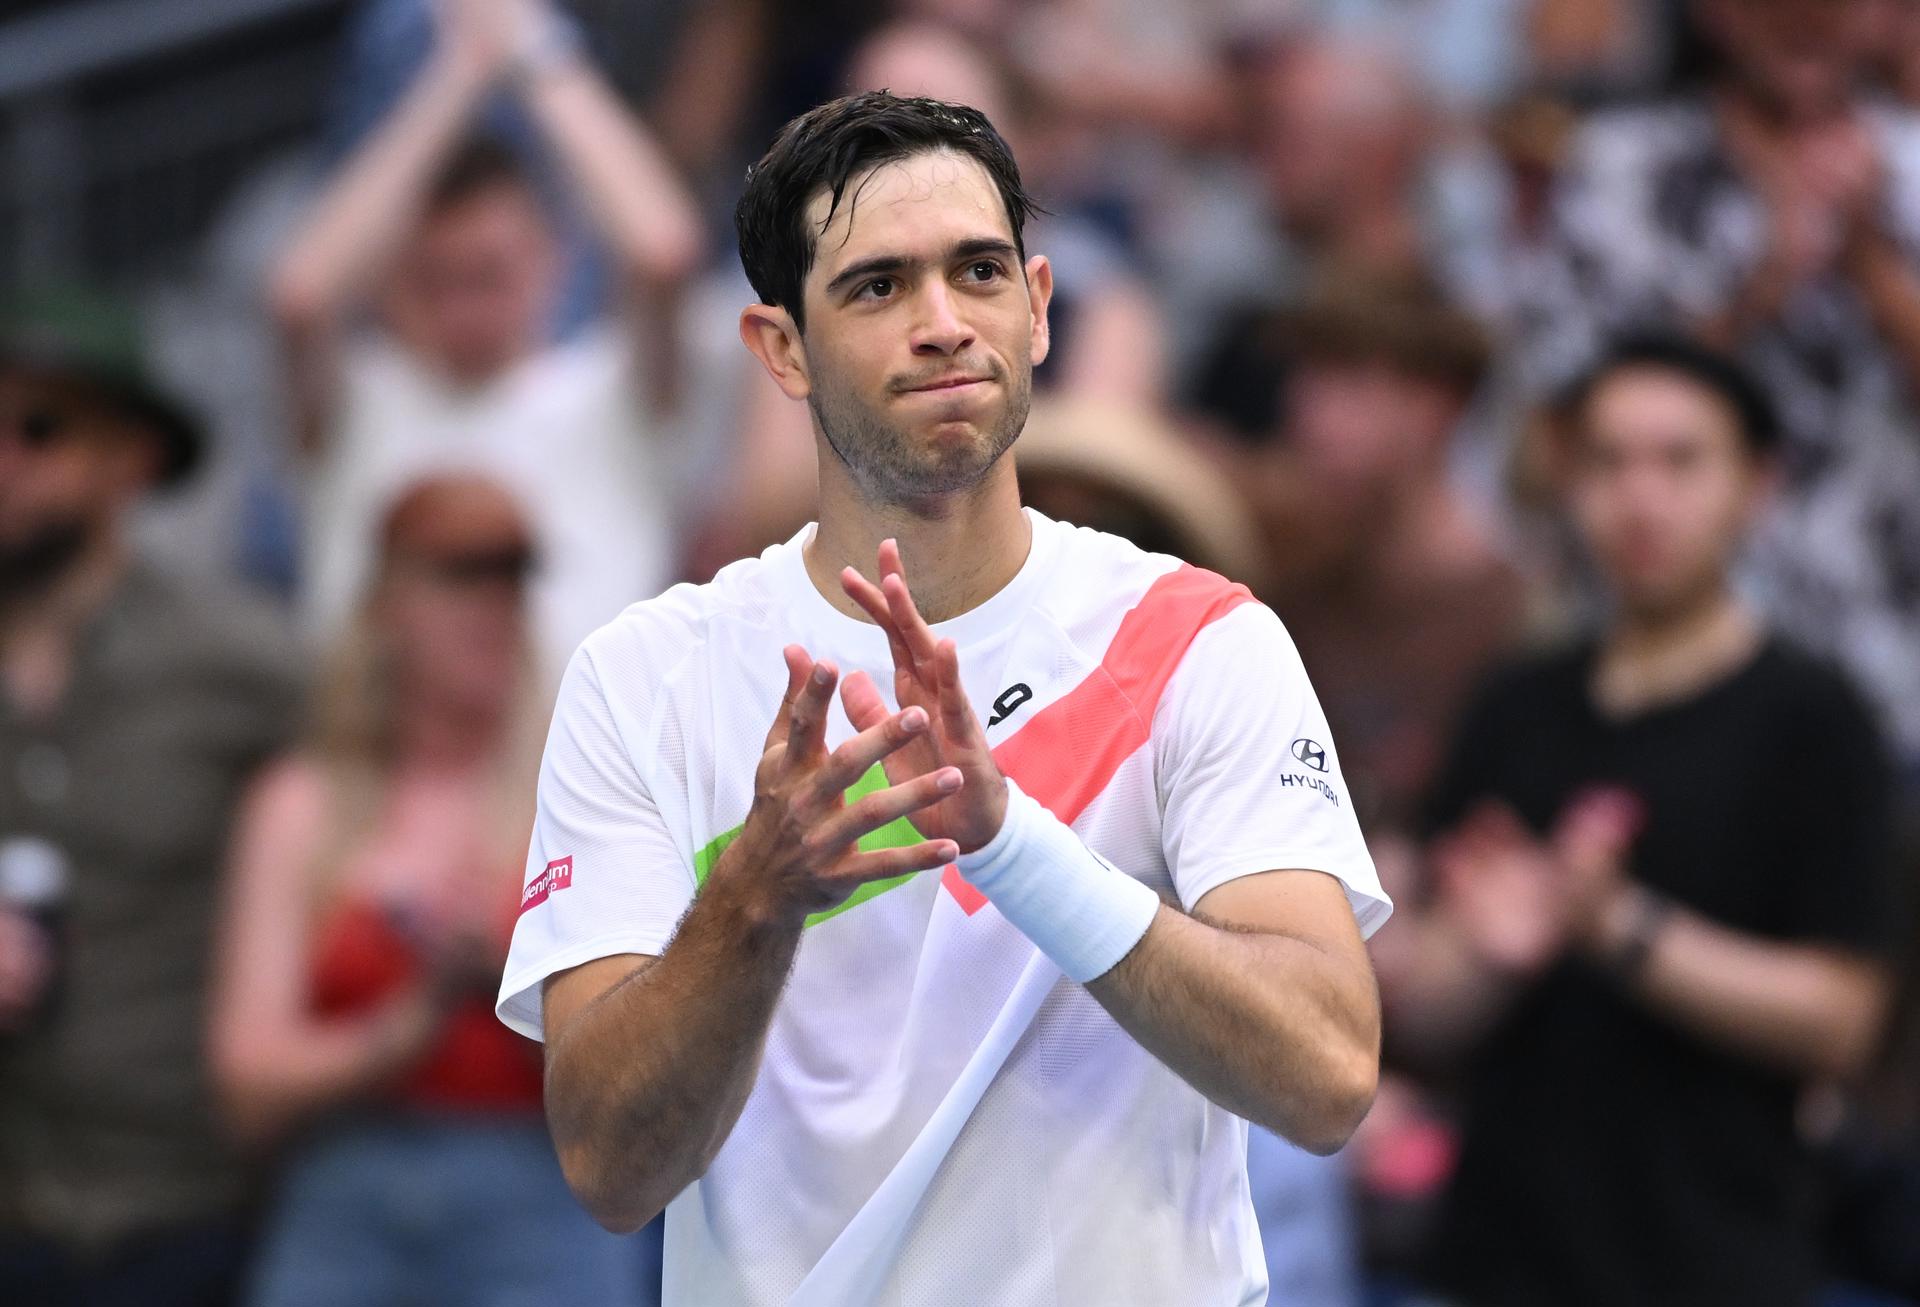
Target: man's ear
773 337
1039 295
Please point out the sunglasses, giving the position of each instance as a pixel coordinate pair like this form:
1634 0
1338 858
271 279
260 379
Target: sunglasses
509 563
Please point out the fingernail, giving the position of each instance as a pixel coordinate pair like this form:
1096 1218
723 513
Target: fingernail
949 781
913 719
822 675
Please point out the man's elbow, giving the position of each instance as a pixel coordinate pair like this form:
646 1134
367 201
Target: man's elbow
616 1203
1325 1123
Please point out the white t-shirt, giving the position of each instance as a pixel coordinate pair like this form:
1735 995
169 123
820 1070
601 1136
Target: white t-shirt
1151 704
562 430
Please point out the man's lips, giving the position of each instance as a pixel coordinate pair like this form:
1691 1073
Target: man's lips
944 384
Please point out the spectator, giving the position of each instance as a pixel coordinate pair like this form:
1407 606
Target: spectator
1777 215
373 893
1395 591
132 708
1341 176
387 43
450 242
1643 1011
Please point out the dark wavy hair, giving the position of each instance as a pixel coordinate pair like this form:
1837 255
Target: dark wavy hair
1712 370
825 149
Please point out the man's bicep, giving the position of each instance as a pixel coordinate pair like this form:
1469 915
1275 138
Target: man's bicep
1248 775
605 875
1310 906
566 994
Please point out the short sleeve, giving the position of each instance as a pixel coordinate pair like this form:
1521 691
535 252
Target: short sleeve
1248 777
604 874
1841 848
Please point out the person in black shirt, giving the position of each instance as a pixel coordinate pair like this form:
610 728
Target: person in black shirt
1658 901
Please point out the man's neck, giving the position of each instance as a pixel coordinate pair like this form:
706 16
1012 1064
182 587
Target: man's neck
39 630
959 550
1650 660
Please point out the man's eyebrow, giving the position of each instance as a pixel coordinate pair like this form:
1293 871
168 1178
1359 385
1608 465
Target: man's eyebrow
979 245
873 267
882 264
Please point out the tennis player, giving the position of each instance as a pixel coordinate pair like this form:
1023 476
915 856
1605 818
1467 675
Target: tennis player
919 911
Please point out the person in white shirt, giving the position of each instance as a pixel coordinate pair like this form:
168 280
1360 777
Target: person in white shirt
879 1000
448 238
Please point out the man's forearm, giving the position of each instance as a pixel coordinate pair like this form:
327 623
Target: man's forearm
1271 1027
363 214
631 190
646 1082
1810 1010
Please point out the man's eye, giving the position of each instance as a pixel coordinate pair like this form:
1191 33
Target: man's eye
984 270
876 288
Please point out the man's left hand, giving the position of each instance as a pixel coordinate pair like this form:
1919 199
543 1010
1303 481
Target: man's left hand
926 672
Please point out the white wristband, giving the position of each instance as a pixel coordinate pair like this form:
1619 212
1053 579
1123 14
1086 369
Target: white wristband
1078 908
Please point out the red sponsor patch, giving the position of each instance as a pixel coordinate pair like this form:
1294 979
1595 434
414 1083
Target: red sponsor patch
558 875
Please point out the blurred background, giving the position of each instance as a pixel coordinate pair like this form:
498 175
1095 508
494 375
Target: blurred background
1551 366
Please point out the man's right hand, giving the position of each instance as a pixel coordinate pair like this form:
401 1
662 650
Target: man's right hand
798 853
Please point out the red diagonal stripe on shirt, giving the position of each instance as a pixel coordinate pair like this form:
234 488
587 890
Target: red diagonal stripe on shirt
1070 750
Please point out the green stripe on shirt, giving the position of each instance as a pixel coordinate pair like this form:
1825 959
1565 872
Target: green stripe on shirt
896 834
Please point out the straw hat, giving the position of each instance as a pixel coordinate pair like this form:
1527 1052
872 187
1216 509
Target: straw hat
1126 452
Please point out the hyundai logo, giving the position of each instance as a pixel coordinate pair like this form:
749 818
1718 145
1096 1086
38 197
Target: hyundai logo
1310 752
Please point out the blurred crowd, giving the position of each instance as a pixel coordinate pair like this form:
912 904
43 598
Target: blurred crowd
1552 367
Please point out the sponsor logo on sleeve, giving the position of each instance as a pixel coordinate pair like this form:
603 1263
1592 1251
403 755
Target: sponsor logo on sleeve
1311 752
1300 780
557 876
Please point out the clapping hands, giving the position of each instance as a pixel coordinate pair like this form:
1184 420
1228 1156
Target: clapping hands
1521 901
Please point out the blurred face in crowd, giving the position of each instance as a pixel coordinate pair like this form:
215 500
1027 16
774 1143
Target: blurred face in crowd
1338 130
1664 488
921 330
474 290
452 600
1800 57
68 465
1361 428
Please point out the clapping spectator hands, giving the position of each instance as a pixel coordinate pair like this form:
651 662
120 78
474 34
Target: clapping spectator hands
1521 901
493 37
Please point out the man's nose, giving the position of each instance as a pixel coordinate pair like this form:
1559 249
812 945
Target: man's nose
938 327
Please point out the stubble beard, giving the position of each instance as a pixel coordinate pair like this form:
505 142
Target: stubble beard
889 465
